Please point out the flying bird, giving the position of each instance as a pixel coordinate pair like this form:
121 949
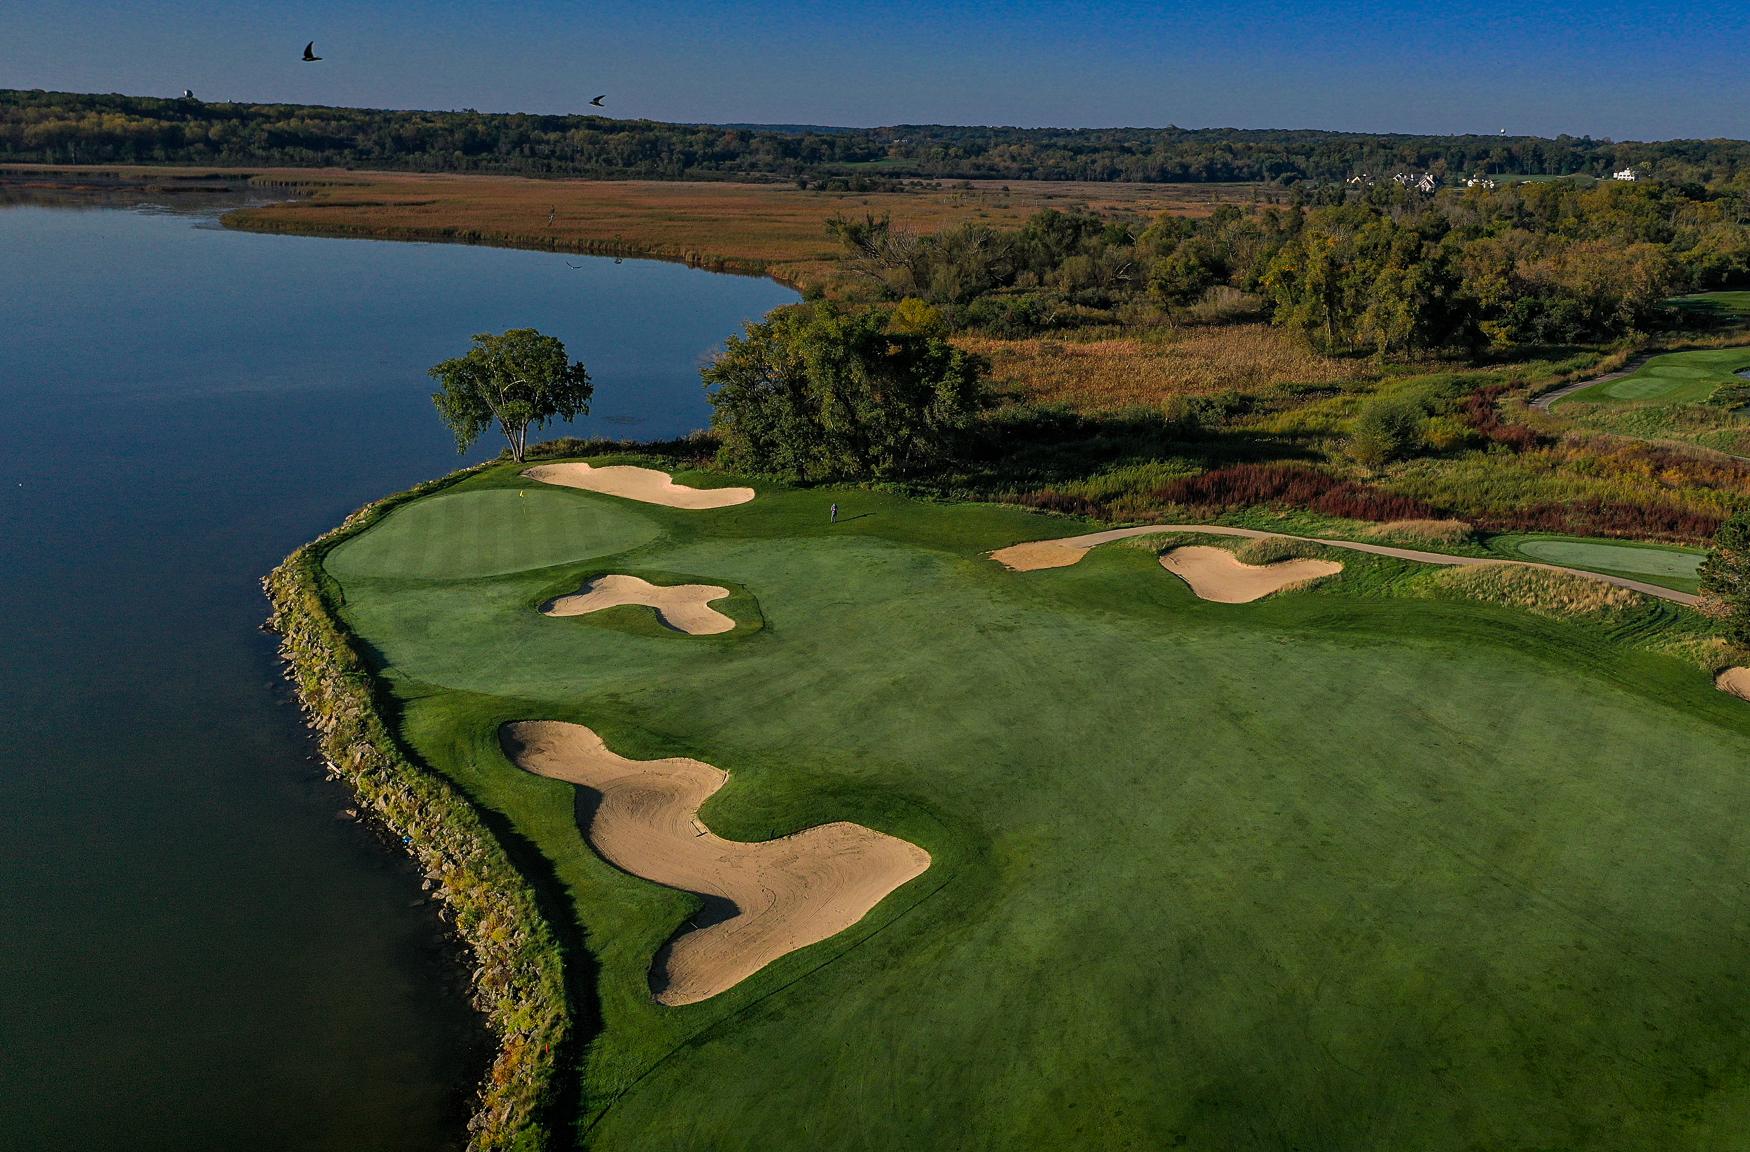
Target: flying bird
569 264
310 52
598 100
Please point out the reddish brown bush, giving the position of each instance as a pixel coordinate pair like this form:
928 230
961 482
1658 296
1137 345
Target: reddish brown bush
1291 486
1482 412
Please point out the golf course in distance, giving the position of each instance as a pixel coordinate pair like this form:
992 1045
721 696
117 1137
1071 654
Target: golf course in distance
1357 865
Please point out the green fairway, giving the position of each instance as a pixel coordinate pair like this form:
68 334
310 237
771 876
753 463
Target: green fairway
1327 871
1676 378
1715 303
1667 566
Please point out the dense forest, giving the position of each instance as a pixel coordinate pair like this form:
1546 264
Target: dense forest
56 127
1386 270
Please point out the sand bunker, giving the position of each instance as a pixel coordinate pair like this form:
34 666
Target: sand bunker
683 607
1214 573
761 900
1736 681
1037 554
646 484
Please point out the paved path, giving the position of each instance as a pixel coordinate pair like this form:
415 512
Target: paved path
1066 551
1543 403
1548 399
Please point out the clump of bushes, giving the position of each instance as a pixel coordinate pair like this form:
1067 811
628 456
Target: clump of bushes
1409 533
1387 428
1274 550
1290 486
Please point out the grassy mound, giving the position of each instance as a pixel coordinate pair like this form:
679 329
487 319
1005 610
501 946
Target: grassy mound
1330 870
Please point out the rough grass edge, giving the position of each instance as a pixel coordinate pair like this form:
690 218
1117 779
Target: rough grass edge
518 980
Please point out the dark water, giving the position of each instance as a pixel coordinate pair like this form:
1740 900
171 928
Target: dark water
194 951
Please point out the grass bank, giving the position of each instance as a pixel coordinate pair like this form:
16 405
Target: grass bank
517 981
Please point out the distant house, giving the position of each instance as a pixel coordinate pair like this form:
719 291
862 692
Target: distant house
1480 181
1421 182
1426 182
1625 174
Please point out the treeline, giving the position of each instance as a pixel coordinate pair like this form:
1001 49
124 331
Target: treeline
1386 270
60 127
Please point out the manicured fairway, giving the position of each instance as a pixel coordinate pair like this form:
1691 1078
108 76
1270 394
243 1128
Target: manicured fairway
1323 871
1677 378
1670 567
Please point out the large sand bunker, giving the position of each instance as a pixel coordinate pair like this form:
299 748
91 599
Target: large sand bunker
761 900
683 607
647 484
1736 681
1215 573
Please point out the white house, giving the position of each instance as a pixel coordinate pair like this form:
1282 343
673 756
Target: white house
1480 181
1626 174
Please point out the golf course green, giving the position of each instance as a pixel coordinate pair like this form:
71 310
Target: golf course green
1675 378
1330 870
1667 565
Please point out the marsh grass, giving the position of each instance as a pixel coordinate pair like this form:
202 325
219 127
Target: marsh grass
1553 594
1111 371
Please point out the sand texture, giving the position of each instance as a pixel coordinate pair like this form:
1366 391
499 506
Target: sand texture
683 607
1736 681
1037 554
1214 574
761 900
647 484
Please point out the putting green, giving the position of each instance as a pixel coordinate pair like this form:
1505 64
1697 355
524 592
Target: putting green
487 533
1669 566
1323 871
1677 378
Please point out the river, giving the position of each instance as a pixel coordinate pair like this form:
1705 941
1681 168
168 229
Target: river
199 950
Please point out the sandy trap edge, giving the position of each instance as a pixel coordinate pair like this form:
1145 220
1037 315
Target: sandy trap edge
1217 574
649 485
683 607
1736 681
761 900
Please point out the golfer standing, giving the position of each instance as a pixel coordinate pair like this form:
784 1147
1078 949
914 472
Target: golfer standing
835 512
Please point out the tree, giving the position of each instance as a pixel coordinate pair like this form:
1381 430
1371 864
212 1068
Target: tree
1725 577
1387 428
817 394
519 380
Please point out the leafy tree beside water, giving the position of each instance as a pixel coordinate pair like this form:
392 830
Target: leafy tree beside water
518 380
817 394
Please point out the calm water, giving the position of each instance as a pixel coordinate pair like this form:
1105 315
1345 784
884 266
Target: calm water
195 952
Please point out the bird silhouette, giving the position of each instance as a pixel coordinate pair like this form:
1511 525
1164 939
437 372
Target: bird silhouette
598 100
310 52
188 93
569 264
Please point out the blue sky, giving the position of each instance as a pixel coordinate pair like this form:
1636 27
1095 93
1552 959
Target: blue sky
1602 68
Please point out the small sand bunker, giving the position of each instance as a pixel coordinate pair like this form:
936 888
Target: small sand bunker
647 484
1736 681
1214 573
683 607
762 900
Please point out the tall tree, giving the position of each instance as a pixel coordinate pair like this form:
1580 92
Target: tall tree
817 394
1725 577
519 380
